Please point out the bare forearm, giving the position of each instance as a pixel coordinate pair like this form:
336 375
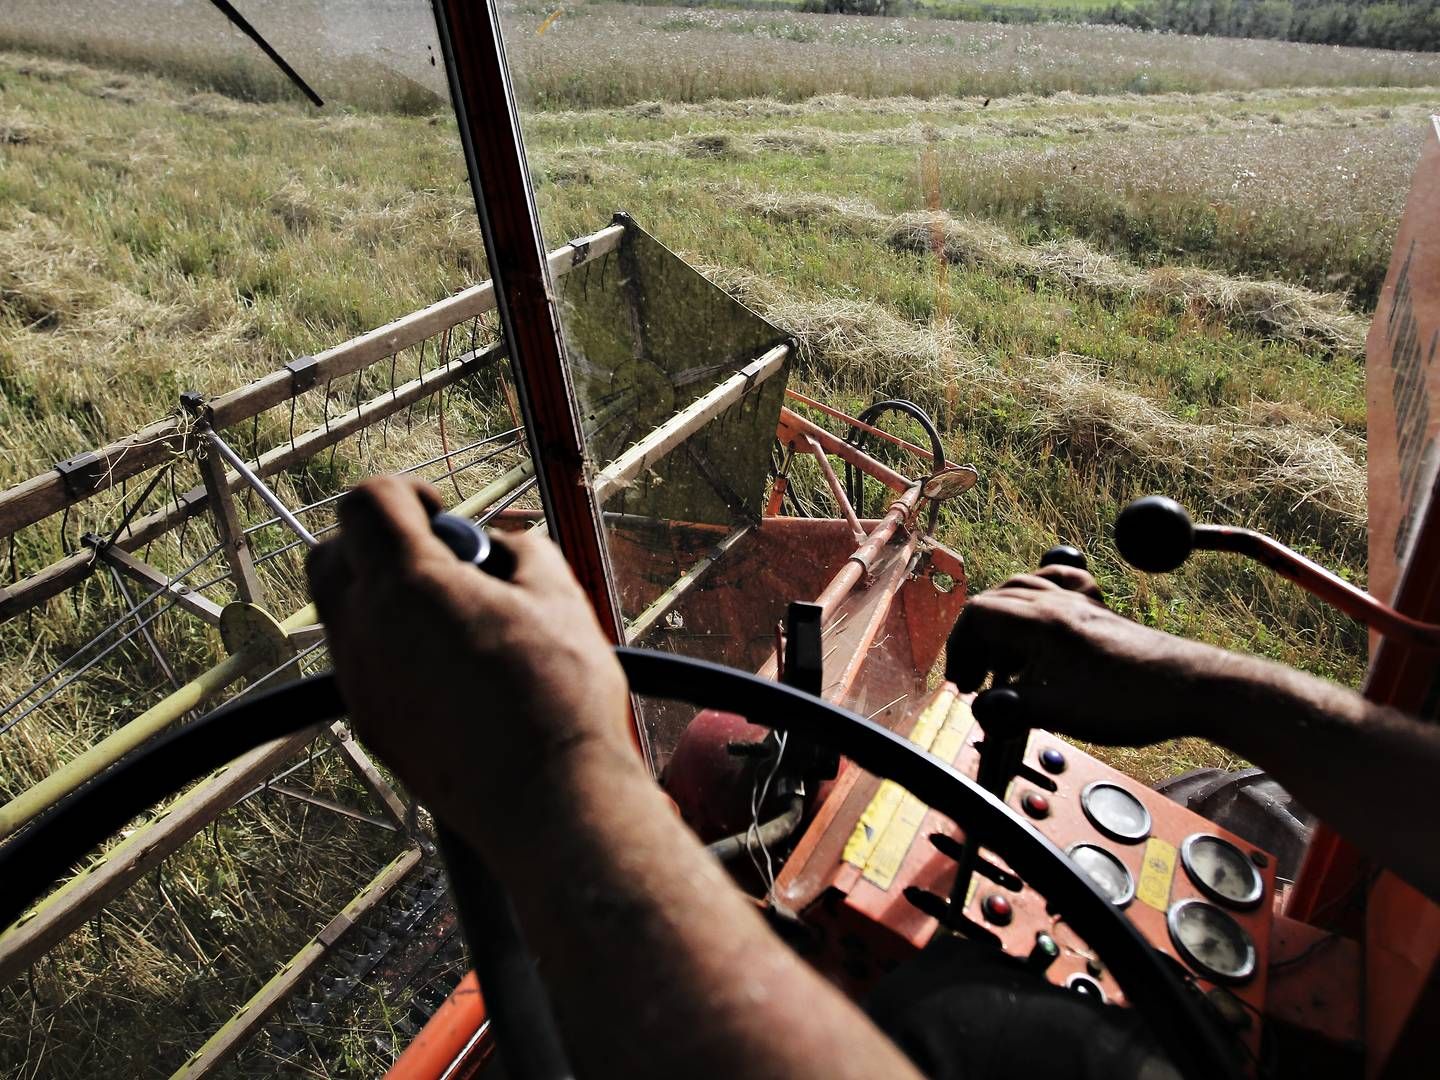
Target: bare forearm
1366 770
657 964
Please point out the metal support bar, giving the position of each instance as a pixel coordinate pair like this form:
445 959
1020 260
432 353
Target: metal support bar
686 422
147 575
221 1046
833 482
269 497
647 619
70 906
231 533
489 127
365 771
792 425
144 627
333 806
73 569
147 725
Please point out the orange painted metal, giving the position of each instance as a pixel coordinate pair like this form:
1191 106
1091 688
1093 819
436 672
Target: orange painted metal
448 1036
862 561
858 425
1337 887
1314 977
833 482
868 926
793 426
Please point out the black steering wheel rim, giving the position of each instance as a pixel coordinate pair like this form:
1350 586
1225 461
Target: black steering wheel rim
68 831
1176 1014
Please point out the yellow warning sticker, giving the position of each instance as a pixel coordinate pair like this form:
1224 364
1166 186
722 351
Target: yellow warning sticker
871 825
884 862
887 828
1157 870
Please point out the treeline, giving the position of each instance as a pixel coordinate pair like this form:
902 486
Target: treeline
1380 24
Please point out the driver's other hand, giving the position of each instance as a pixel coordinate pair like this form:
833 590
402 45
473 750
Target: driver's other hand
1076 666
472 689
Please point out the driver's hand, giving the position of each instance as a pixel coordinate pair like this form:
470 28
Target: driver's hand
470 688
1076 666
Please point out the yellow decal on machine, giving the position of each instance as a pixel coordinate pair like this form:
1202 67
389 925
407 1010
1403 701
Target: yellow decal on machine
887 828
1157 870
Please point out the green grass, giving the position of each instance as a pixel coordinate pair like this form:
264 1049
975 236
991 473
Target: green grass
1090 335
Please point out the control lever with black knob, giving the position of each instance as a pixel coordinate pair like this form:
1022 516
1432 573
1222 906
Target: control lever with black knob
472 544
1065 555
1156 535
529 1038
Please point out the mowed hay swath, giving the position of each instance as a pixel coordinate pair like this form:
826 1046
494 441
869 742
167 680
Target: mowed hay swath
1268 307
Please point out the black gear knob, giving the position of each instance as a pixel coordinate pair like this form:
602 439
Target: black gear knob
1065 555
1155 534
472 544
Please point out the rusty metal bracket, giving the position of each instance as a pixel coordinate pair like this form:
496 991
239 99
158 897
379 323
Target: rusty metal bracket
194 403
82 472
304 373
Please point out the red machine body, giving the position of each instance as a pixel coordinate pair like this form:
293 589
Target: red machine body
1342 970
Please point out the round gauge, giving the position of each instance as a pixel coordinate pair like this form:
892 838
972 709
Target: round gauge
1221 870
1106 871
1115 812
1211 941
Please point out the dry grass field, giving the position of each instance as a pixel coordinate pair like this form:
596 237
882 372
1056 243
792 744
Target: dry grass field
1110 264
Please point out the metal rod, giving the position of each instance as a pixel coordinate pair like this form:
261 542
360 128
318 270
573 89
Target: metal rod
687 581
50 695
792 425
1320 582
332 806
833 482
920 452
145 630
65 779
269 497
95 640
686 422
318 503
860 562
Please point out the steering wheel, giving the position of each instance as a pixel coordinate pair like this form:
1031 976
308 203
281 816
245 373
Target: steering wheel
74 826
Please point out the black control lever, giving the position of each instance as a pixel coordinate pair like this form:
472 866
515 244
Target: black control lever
472 544
1156 534
1065 555
528 1037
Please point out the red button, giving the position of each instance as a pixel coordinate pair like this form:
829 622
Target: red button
1035 804
997 909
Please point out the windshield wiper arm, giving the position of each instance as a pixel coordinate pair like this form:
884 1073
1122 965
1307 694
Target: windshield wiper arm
243 25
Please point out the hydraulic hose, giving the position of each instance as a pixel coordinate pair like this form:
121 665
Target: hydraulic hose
775 831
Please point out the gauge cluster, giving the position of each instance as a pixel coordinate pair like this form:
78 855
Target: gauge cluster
1198 893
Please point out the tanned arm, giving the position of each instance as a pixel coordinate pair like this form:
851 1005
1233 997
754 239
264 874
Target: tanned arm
503 709
1080 669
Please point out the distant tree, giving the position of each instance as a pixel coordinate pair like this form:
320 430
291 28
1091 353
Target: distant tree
847 7
1384 24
